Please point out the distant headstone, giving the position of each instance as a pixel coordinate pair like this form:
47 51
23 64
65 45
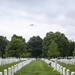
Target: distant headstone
56 62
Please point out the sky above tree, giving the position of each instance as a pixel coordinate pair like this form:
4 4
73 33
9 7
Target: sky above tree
37 17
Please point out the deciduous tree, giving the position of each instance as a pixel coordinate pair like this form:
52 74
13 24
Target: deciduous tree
53 49
35 46
16 48
3 44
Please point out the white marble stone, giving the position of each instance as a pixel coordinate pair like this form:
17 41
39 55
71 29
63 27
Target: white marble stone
5 71
72 73
9 71
0 73
56 62
64 71
68 72
61 69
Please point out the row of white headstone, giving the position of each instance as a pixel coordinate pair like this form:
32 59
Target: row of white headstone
8 60
62 70
68 61
13 69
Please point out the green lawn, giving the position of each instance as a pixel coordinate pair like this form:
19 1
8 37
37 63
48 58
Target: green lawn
37 67
5 66
68 66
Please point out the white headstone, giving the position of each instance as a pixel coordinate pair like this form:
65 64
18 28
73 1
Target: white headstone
0 73
56 62
12 70
5 71
15 68
72 73
61 69
9 71
68 72
64 71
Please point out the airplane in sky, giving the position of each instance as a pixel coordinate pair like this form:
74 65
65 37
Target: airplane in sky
32 25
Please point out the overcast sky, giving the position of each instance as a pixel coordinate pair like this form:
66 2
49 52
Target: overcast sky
16 17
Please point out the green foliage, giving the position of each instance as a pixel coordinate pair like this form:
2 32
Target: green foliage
18 37
63 44
35 46
71 47
60 39
46 42
3 44
74 52
16 48
53 52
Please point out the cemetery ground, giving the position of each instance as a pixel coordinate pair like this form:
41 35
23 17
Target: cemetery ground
37 67
68 66
5 66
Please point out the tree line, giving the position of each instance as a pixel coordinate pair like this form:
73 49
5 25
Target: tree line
52 45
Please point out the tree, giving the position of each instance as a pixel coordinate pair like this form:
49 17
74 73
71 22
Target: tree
35 46
3 44
63 44
16 48
53 49
46 42
71 47
60 39
74 52
18 37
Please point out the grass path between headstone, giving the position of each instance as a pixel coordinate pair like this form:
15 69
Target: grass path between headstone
68 66
5 66
37 67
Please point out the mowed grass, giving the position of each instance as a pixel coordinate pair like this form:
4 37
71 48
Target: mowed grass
37 67
5 66
68 66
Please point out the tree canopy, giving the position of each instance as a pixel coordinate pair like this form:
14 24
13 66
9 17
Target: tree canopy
35 46
60 39
52 45
3 44
53 49
16 48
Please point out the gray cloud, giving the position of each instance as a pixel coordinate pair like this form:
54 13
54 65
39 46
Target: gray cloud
51 15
